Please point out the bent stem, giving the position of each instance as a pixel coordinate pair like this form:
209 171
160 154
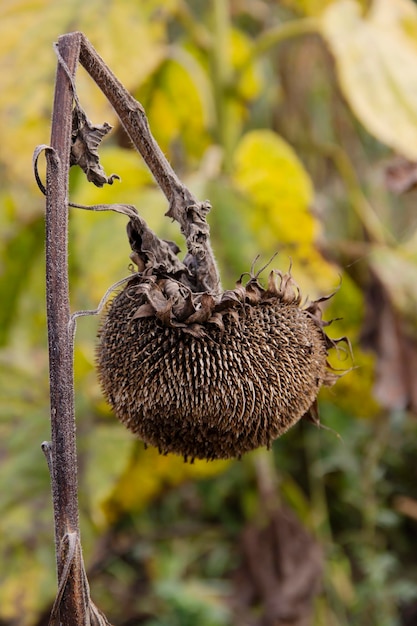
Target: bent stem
184 208
72 606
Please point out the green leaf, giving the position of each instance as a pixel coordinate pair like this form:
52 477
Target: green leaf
18 257
376 61
267 169
26 525
106 441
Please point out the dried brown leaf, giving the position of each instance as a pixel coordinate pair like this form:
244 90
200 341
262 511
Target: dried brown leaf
280 572
401 175
86 139
386 333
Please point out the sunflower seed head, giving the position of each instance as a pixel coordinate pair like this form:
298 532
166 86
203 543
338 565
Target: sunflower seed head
208 376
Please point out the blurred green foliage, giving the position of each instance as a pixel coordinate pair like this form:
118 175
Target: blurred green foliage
285 114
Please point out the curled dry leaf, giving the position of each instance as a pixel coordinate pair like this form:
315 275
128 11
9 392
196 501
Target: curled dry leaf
73 567
86 139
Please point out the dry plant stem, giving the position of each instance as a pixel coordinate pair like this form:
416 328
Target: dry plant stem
183 206
63 444
133 118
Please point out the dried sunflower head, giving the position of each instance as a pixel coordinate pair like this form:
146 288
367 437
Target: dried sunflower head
211 376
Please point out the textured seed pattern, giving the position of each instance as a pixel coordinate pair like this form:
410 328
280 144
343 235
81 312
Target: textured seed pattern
218 395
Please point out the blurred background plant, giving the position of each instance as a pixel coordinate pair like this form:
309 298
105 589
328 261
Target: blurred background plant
298 120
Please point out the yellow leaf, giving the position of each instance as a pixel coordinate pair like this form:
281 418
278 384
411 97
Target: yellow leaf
354 392
308 7
126 163
250 81
175 110
99 238
21 602
376 59
279 191
267 169
149 474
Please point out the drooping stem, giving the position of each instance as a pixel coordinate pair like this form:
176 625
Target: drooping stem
183 206
63 442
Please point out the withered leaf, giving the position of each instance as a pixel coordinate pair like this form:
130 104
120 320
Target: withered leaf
387 335
401 175
281 571
145 310
184 307
86 139
204 312
156 255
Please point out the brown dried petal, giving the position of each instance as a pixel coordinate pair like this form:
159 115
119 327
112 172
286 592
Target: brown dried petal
145 310
203 313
